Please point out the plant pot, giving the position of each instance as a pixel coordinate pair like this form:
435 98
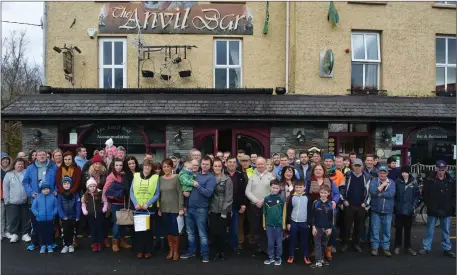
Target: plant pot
165 77
280 90
147 73
186 73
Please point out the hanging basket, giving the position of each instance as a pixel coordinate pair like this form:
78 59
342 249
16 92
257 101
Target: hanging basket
165 73
147 72
186 71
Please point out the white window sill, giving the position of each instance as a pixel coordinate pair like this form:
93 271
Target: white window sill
444 6
368 2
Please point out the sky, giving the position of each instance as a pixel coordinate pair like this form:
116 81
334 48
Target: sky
25 12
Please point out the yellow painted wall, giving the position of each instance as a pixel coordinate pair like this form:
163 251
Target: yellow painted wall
408 31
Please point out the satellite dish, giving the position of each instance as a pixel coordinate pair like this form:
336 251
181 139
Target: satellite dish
328 62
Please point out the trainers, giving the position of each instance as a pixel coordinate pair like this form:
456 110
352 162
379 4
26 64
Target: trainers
290 260
357 248
54 246
374 252
71 249
221 257
344 248
387 253
14 238
411 252
278 261
269 261
43 249
449 253
316 264
31 247
8 235
64 250
187 255
423 251
50 249
307 260
26 238
205 258
325 263
333 249
397 250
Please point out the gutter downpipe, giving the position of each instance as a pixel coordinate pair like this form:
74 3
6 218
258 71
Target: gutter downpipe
45 39
287 45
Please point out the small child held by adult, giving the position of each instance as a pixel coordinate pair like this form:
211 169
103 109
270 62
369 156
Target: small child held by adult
69 209
274 222
44 207
187 180
322 221
94 205
298 216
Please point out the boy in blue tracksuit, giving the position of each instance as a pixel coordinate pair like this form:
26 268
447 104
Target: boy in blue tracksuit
44 208
41 170
69 209
382 192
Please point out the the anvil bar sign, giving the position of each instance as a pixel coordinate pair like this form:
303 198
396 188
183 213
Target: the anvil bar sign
175 18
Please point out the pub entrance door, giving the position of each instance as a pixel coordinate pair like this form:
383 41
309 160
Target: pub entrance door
212 140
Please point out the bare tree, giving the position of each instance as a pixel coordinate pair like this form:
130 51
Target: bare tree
18 78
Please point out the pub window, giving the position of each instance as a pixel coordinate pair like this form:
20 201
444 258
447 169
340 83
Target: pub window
445 63
366 60
112 63
227 63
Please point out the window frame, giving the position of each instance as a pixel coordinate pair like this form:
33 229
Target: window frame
367 61
446 3
446 53
101 66
227 67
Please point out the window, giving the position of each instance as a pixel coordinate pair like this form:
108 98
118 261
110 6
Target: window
445 63
227 63
446 2
112 63
366 59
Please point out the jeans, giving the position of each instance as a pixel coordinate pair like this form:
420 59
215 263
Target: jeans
332 240
445 223
197 217
159 227
45 231
403 223
380 221
19 218
320 243
353 214
298 229
233 228
118 231
274 236
170 223
96 228
68 227
35 229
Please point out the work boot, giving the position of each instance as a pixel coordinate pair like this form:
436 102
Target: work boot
115 246
328 253
123 243
107 243
175 248
170 247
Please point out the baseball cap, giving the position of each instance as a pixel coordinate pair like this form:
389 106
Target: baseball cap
328 156
358 162
383 168
441 164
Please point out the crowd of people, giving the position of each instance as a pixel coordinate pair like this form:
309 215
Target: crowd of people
305 203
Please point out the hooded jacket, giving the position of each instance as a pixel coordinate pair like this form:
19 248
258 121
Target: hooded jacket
406 196
4 155
439 196
222 199
13 190
44 207
69 206
299 208
344 188
382 201
80 162
31 178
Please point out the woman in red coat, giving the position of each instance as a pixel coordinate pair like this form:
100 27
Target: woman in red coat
70 169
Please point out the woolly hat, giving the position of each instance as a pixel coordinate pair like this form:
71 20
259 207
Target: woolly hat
405 169
90 182
329 156
97 159
67 178
43 185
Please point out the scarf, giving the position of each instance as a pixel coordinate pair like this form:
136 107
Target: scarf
67 171
315 187
96 175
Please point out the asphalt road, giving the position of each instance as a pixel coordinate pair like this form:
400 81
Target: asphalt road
16 260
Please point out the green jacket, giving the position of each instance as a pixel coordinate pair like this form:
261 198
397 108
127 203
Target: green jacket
274 211
186 179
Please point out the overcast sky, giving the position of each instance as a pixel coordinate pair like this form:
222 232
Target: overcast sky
25 12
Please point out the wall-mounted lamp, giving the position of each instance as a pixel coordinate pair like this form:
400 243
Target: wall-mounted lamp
68 60
300 137
386 137
36 138
178 138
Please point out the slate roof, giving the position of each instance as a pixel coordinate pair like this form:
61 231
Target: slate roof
231 107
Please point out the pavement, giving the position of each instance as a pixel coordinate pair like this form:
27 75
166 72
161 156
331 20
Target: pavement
16 260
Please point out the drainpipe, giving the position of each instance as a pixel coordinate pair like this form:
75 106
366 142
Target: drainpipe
287 46
45 39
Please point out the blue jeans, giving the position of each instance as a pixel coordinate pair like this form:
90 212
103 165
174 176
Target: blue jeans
332 241
233 228
274 236
118 231
298 229
380 221
197 217
445 223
